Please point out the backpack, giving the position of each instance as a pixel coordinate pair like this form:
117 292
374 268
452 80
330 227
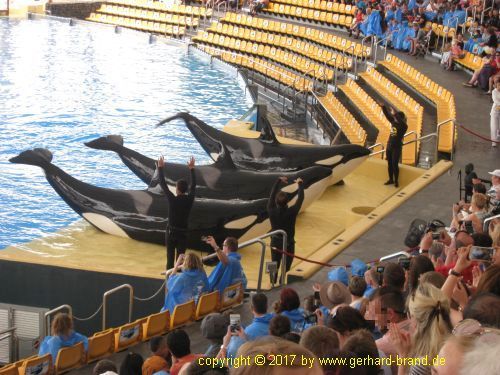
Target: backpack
415 233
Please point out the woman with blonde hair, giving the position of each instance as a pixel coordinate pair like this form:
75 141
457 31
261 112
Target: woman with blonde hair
187 285
478 211
429 311
63 336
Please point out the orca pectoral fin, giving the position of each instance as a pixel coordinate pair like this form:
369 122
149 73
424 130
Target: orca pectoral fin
183 115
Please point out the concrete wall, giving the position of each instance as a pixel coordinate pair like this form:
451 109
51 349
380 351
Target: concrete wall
73 10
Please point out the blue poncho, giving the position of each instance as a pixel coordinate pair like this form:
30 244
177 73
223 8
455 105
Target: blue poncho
258 328
52 344
225 275
183 287
297 320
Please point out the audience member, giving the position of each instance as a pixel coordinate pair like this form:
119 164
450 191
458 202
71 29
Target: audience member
323 342
346 320
180 347
105 366
160 360
394 275
418 266
485 308
63 335
289 306
214 328
279 326
132 364
361 343
357 287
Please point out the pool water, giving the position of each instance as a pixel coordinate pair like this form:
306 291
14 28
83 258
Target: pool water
62 85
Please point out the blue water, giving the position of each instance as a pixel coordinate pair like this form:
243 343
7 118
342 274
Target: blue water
61 86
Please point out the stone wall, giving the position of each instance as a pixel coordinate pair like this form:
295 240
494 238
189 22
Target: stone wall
79 10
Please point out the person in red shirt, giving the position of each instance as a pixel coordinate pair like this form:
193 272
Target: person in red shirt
180 346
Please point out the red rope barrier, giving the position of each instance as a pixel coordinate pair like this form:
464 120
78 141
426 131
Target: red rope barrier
477 134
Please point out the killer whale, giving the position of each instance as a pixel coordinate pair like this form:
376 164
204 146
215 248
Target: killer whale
220 180
266 153
142 214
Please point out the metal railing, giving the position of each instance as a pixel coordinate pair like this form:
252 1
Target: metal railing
487 221
378 42
419 139
52 312
10 334
377 152
112 291
445 35
394 255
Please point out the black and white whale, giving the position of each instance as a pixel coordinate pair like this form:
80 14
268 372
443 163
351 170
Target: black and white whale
266 153
142 214
220 180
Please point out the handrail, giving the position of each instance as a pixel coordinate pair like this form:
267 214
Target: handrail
335 68
353 58
379 41
105 300
393 255
449 29
486 221
48 314
10 333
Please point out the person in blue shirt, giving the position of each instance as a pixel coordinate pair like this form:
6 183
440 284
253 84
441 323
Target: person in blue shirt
63 336
229 270
289 306
258 328
191 283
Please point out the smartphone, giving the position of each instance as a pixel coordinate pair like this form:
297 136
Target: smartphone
468 226
481 254
404 262
234 322
204 238
380 269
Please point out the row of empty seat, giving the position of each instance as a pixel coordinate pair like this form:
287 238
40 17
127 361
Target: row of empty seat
330 6
442 98
370 109
105 343
346 121
399 99
291 60
470 61
149 15
306 49
306 14
266 68
440 30
137 24
188 10
300 32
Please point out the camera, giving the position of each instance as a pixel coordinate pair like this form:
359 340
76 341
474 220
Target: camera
380 269
311 319
404 262
481 254
468 226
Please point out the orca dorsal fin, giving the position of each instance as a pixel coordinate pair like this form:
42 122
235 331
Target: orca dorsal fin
225 161
266 131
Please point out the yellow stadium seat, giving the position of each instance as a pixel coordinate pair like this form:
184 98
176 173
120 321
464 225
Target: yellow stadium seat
156 324
101 345
70 358
9 370
128 335
182 314
37 365
207 304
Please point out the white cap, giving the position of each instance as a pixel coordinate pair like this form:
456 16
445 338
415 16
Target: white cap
495 173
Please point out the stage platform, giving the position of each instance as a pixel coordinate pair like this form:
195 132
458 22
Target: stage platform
328 226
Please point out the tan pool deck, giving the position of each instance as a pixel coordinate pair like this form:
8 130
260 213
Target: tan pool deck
329 225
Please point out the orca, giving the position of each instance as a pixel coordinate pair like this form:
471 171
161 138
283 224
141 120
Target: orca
266 153
142 214
220 180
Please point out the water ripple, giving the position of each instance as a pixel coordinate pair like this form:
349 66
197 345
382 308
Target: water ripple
61 86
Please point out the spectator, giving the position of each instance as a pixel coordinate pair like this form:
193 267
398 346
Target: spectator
160 360
394 275
357 287
279 326
339 274
265 346
373 280
283 218
361 343
478 212
483 357
495 115
105 366
229 270
63 335
433 277
289 306
418 266
323 342
490 281
258 328
214 328
178 213
345 321
331 295
291 336
180 347
495 181
485 308
192 282
429 309
257 5
132 364
417 40
453 352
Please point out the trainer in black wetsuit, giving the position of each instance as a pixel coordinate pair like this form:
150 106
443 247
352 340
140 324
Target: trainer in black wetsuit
179 207
395 143
283 217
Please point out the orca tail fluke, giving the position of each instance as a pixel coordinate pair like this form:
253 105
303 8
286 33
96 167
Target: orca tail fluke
183 115
39 157
110 143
